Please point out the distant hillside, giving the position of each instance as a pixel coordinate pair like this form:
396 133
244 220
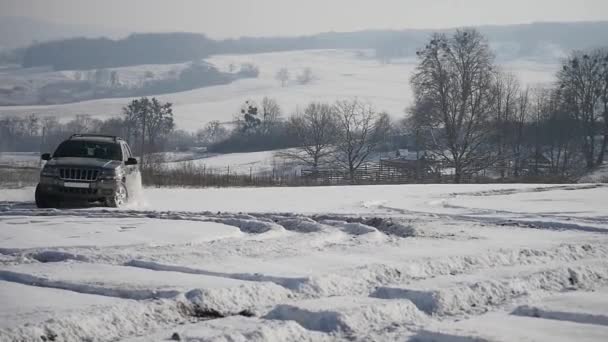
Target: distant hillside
539 41
18 32
137 49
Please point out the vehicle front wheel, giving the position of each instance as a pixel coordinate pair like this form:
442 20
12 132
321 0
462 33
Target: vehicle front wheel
120 197
42 199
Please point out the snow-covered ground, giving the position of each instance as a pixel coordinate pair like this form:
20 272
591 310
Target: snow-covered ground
30 159
599 175
237 163
365 263
339 74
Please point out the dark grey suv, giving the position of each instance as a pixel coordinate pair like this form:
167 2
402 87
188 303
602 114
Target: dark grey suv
88 168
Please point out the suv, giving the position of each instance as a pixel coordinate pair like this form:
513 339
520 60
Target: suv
88 168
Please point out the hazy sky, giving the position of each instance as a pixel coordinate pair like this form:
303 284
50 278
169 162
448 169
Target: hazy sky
231 18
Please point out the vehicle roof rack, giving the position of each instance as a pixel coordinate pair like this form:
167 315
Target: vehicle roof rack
84 135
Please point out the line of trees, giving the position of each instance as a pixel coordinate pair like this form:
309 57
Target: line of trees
146 123
344 135
471 116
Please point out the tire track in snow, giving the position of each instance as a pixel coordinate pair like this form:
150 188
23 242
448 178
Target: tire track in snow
289 283
365 279
576 317
520 220
514 191
27 279
479 296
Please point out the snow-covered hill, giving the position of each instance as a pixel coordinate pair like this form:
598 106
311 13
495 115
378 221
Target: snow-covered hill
338 74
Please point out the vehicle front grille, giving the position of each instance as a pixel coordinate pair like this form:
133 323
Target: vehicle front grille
78 191
78 174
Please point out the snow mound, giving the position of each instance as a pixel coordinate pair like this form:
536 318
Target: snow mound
110 291
246 299
300 224
350 281
599 175
352 228
349 315
238 329
241 329
56 256
99 322
361 225
574 306
252 226
477 297
429 336
390 226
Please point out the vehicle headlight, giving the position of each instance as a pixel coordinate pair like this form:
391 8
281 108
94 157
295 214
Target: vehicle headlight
110 174
49 171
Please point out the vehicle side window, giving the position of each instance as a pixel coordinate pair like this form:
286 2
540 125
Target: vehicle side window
125 152
128 150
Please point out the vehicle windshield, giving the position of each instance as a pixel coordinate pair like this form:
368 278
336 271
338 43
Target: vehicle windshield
88 149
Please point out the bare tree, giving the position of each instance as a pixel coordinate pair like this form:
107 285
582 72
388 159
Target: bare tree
114 79
360 130
148 119
506 90
213 132
520 119
556 135
283 76
102 77
315 130
254 119
249 70
271 115
306 76
33 124
604 101
83 123
581 83
453 99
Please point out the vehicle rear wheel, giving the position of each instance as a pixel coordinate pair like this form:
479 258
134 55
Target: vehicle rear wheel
42 199
120 197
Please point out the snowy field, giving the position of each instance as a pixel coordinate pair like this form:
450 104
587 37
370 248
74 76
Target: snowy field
263 162
28 159
339 74
440 263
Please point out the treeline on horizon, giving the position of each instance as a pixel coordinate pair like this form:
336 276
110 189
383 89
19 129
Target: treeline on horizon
514 41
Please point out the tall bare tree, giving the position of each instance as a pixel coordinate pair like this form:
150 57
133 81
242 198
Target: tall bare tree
506 91
283 76
159 120
148 119
453 99
315 130
581 83
520 119
306 76
604 101
360 130
213 132
271 115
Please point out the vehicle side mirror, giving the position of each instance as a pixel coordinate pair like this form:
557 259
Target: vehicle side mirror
131 161
45 156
